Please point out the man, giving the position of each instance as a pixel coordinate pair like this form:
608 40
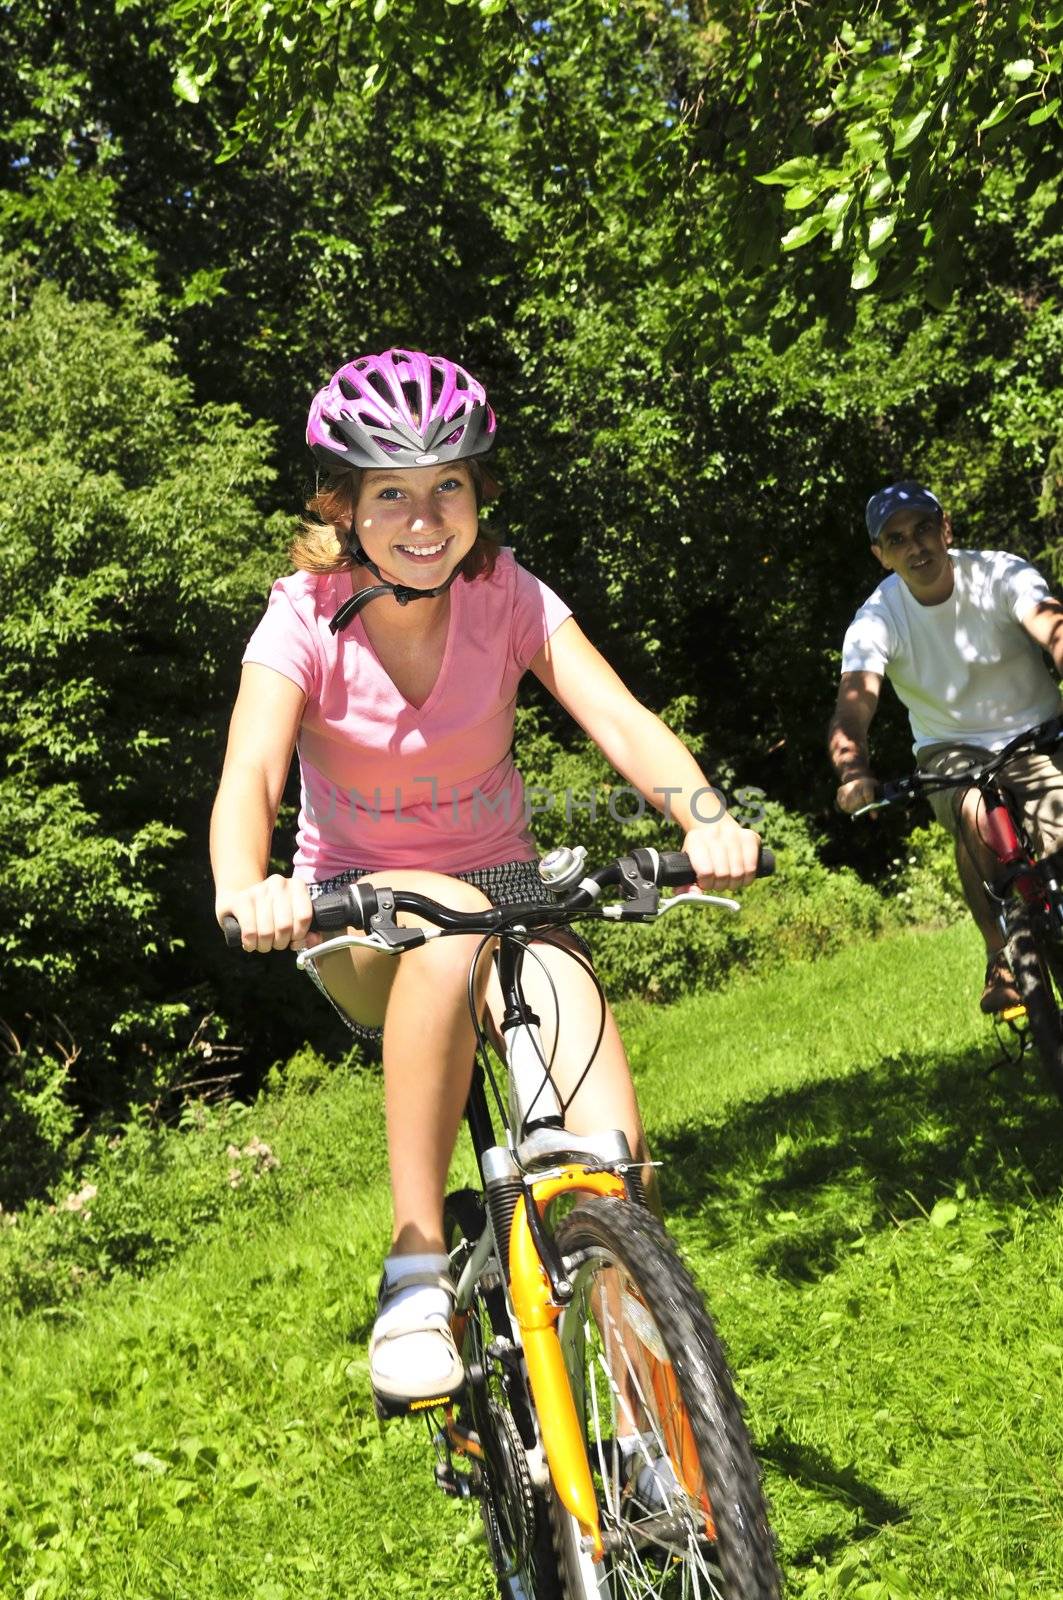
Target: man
960 635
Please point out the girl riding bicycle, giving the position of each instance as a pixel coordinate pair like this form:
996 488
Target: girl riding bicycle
390 658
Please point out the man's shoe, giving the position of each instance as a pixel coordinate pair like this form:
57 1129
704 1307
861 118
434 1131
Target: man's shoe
1001 992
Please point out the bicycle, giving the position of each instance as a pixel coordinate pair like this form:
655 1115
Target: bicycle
598 1425
1025 892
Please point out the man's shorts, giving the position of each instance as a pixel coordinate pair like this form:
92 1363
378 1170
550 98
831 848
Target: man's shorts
1036 781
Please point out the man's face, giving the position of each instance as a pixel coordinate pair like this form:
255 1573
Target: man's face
914 544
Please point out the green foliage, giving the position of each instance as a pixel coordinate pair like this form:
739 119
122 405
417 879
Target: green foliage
893 120
131 551
878 125
924 885
803 912
36 1114
141 1194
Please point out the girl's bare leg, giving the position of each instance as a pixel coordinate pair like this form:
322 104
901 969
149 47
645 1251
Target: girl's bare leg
606 1098
420 997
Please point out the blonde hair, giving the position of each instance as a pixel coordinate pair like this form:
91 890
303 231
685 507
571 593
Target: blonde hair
323 541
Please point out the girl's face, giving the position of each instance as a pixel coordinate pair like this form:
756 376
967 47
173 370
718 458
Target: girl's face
417 523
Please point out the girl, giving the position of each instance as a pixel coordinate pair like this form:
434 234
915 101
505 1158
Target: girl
391 658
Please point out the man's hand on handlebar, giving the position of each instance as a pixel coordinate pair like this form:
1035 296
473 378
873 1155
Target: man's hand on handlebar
273 915
856 792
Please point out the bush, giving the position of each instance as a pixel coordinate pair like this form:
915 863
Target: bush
805 911
36 1117
133 560
924 885
141 1193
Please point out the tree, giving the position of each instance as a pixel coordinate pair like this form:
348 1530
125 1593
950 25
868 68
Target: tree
132 552
874 126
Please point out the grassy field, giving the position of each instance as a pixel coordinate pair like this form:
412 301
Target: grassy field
876 1223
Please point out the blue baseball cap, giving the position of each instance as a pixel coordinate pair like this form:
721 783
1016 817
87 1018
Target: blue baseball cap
898 497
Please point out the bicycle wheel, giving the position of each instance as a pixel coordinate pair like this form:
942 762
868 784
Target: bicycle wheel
517 1515
678 1488
1033 976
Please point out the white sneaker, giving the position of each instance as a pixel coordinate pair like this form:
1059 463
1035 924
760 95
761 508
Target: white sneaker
413 1360
650 1480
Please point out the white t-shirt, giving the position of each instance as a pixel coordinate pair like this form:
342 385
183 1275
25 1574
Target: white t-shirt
966 669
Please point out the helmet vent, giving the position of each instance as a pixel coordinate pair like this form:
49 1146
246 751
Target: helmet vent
412 395
377 381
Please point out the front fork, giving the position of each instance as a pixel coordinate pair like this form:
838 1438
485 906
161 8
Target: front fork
537 1313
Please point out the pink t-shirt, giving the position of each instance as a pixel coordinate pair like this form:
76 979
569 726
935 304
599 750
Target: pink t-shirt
387 784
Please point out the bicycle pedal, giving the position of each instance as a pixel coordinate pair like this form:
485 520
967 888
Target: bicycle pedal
455 1485
386 1407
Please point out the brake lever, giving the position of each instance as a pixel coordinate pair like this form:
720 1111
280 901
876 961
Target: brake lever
352 941
697 898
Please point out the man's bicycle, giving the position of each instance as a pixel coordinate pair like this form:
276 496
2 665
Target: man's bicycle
598 1426
1025 890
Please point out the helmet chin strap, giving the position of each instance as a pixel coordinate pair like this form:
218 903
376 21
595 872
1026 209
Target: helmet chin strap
399 591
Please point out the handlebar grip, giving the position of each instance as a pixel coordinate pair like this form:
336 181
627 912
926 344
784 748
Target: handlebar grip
337 910
333 913
1049 735
675 871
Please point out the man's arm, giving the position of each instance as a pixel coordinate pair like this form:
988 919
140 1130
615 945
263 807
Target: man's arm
1044 624
857 703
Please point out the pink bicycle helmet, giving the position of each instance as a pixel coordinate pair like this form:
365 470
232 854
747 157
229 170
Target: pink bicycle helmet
399 409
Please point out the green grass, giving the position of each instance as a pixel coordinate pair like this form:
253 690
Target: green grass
876 1223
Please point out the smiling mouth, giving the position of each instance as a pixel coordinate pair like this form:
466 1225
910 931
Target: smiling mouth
423 552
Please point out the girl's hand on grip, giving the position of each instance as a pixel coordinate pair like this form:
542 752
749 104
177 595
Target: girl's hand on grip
724 855
273 915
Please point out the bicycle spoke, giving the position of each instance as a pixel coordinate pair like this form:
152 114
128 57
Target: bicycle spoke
661 1544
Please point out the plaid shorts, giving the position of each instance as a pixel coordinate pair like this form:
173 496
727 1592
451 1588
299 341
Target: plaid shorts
507 884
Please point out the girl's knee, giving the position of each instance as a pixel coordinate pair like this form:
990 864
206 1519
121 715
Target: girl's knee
461 896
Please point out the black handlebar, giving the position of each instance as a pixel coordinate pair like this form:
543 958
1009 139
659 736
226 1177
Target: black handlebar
359 905
1043 738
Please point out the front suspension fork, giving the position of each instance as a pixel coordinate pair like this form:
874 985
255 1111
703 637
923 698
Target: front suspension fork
537 1314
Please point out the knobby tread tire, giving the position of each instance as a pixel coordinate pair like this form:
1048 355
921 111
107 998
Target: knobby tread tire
633 1237
1033 978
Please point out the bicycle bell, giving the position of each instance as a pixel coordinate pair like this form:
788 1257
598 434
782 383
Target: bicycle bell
562 868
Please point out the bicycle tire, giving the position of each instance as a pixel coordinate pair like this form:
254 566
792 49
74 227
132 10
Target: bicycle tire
1033 977
683 1512
519 1519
